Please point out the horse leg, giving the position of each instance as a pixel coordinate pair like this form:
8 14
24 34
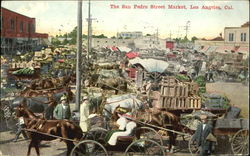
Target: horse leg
172 141
36 145
70 146
30 146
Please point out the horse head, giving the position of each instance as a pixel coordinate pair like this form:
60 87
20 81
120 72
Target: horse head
23 111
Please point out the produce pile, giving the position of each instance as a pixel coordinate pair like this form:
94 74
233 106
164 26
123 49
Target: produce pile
24 71
182 78
215 101
202 84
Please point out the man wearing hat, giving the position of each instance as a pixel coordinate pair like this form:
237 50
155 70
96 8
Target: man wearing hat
84 113
62 110
201 134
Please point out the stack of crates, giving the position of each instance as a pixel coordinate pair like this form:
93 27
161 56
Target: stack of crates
179 95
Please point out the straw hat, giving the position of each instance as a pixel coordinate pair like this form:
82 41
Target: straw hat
85 98
63 98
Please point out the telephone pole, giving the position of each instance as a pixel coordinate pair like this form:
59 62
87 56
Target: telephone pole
187 28
89 19
78 59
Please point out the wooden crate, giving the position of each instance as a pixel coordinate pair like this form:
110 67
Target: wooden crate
168 91
194 102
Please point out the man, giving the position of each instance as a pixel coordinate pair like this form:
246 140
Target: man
62 111
84 114
20 130
201 134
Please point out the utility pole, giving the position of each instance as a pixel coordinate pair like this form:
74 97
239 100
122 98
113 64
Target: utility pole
89 19
170 35
78 59
89 32
187 28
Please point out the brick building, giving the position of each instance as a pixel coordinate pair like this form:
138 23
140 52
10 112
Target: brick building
18 33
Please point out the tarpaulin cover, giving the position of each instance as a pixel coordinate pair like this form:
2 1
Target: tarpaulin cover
125 49
151 65
223 49
114 48
125 101
131 55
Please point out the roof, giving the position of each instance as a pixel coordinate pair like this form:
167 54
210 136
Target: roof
204 49
243 50
132 55
217 39
151 65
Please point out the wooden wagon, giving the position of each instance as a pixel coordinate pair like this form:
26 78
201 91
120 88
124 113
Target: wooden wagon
236 129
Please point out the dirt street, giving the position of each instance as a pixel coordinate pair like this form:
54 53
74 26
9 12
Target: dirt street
237 93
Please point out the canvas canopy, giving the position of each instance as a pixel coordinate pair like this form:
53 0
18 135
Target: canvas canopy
151 65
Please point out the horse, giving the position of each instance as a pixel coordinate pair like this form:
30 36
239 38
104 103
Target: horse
61 128
164 119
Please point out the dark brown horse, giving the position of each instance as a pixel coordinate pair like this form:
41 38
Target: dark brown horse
60 128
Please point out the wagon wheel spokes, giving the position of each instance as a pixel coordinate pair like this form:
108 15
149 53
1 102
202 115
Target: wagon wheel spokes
144 147
89 148
240 142
149 133
193 147
98 134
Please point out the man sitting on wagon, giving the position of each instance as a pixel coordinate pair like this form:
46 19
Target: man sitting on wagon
126 127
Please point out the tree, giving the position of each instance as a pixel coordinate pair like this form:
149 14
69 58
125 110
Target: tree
113 37
100 36
148 34
194 38
55 41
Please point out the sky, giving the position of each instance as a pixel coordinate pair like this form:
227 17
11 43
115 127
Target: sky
59 17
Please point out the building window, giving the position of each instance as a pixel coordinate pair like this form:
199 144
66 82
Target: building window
231 37
243 37
12 24
21 26
106 41
33 28
98 41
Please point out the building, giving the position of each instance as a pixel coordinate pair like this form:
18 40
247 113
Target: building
18 33
106 42
236 39
150 42
130 35
237 36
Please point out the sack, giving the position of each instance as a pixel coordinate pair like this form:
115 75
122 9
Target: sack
211 137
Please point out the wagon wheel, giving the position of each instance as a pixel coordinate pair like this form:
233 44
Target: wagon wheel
98 134
193 147
240 142
144 147
149 133
87 148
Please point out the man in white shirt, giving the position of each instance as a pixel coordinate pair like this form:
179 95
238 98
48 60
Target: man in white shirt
21 125
84 114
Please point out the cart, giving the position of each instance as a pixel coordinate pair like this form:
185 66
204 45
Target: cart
143 141
236 129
